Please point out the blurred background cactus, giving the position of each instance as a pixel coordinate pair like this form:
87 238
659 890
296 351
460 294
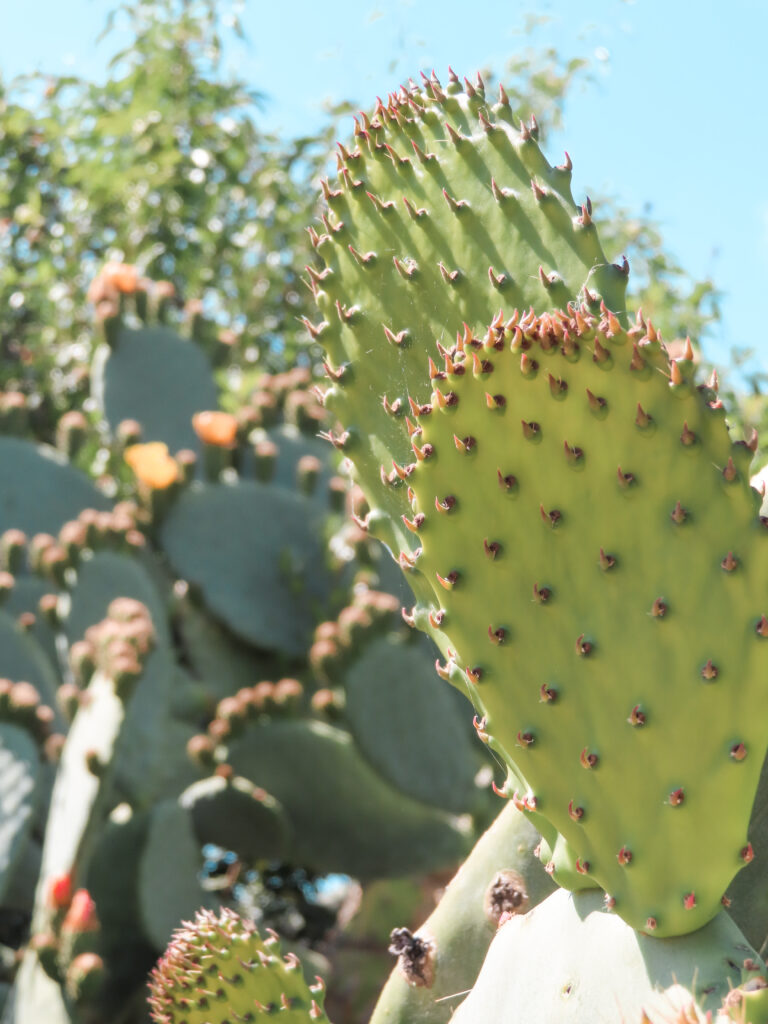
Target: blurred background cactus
208 696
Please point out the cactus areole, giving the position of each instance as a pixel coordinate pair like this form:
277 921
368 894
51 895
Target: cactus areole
577 526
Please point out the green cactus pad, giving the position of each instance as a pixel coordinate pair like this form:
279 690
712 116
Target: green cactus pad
221 661
26 593
235 814
502 872
218 970
330 793
575 964
412 728
592 565
157 378
39 490
19 794
117 854
748 893
169 887
445 209
143 751
22 658
256 554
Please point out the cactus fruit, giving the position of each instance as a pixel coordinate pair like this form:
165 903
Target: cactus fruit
218 969
565 479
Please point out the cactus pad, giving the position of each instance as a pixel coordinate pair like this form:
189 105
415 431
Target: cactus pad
157 378
218 969
592 564
256 554
599 971
444 209
331 790
39 490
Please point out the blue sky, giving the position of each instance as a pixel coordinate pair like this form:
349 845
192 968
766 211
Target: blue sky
674 119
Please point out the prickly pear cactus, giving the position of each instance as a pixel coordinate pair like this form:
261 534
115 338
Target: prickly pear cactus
217 969
583 541
444 209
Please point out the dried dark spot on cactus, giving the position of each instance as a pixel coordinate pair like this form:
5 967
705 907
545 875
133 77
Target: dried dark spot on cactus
643 420
762 627
495 401
508 482
624 856
606 561
729 470
576 813
747 854
525 739
573 453
637 716
452 398
552 517
541 594
710 671
448 581
678 514
589 759
659 608
729 563
557 386
498 635
474 674
530 430
547 694
465 444
687 437
738 751
582 866
448 503
596 402
506 894
415 957
625 479
584 647
528 366
676 797
491 548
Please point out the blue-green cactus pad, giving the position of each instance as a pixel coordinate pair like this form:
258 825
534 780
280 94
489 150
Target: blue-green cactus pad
345 817
154 376
256 553
414 730
39 490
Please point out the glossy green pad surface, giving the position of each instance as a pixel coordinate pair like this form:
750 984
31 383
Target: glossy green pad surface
444 209
596 569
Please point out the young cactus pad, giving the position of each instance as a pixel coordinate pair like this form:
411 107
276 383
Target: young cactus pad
218 970
444 208
593 565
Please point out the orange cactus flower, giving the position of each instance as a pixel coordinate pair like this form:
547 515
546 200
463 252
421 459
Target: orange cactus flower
216 428
152 464
122 276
